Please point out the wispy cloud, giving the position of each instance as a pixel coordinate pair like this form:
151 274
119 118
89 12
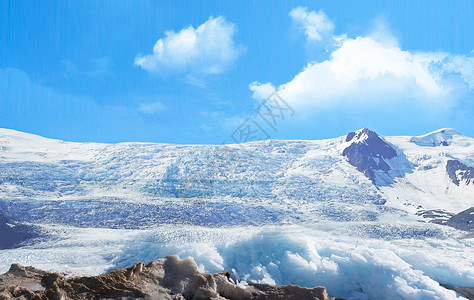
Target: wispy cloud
150 108
101 67
463 65
315 24
208 49
98 67
34 107
194 81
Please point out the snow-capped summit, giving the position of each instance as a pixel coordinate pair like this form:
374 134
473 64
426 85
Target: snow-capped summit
371 143
441 137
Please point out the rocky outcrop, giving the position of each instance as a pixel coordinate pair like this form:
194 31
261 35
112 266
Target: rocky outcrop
467 292
437 216
12 236
463 220
8 235
459 172
167 278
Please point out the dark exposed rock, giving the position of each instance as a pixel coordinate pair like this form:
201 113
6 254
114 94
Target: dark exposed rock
350 136
437 216
167 278
8 236
12 235
467 292
269 292
459 172
368 152
463 220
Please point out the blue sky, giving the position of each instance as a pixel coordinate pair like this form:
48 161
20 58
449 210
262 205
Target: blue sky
115 71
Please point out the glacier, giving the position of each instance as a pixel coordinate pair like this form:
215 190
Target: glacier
275 212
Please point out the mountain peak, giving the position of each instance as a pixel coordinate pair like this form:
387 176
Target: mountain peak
368 152
361 135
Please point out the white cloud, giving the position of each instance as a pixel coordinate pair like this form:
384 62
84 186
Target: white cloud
463 65
208 49
366 71
382 33
150 108
316 25
371 70
261 91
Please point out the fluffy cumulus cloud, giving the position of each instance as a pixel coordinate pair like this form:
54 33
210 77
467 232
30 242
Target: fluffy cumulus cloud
316 24
261 91
208 49
373 70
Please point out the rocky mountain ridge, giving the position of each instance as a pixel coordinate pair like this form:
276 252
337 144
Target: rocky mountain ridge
167 278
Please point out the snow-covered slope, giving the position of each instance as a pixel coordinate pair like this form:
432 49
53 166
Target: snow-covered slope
441 137
361 168
353 209
431 183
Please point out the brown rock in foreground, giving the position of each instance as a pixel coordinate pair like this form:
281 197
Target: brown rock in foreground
166 278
